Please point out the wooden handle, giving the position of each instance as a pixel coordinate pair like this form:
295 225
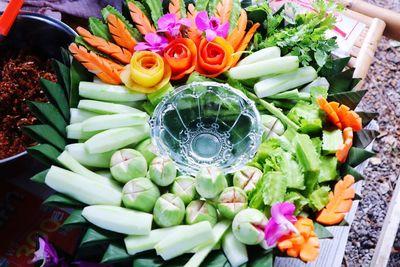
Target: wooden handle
391 18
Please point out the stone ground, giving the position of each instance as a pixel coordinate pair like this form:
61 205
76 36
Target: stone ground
383 84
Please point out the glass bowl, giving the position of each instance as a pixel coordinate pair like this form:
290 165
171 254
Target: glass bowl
204 124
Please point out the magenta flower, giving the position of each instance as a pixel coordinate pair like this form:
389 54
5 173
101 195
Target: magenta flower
46 253
211 26
169 24
280 223
153 42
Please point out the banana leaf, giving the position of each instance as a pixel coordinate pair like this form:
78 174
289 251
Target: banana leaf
358 155
56 96
40 177
350 99
62 73
61 201
96 235
75 219
45 153
322 232
45 134
115 253
48 114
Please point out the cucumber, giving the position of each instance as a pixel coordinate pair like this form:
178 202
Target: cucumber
104 173
104 122
118 219
75 131
265 67
234 250
272 123
79 115
98 160
69 162
331 141
218 231
100 107
114 139
107 92
135 244
284 82
82 188
187 239
261 55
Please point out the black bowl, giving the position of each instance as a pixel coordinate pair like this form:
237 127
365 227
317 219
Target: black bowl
44 36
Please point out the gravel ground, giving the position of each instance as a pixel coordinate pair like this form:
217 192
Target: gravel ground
383 84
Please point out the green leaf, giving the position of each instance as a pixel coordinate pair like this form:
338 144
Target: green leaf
45 153
357 197
358 155
56 96
266 260
156 10
40 177
202 5
350 99
367 117
75 219
347 169
342 82
322 232
95 235
212 7
364 137
99 28
216 259
148 261
115 253
65 57
234 15
60 200
343 223
48 114
45 134
78 73
336 67
62 73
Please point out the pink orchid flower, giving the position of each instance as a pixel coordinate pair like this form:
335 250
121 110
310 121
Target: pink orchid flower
211 26
280 223
169 24
153 42
46 253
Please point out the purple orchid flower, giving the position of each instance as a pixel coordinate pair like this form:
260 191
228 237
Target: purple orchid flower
211 26
154 43
169 24
280 223
47 253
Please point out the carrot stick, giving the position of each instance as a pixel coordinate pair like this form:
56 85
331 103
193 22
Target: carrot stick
193 32
340 202
102 45
141 21
245 42
120 33
105 69
224 10
347 117
236 36
174 7
343 150
330 112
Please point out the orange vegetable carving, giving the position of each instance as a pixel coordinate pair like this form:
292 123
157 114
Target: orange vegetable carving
120 33
340 202
115 51
343 150
245 42
174 7
330 112
106 70
304 245
224 10
237 34
213 58
140 19
180 55
193 33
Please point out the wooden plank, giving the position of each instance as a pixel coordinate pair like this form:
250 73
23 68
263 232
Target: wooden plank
389 230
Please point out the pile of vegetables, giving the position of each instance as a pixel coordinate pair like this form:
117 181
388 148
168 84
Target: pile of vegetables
96 136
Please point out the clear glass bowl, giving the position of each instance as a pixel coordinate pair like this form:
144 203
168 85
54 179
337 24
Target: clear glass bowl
206 123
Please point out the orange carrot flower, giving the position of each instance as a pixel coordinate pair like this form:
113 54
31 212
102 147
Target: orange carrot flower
181 56
215 57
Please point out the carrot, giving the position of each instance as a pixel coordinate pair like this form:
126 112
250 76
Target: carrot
343 150
347 117
224 10
304 245
245 42
102 45
340 202
105 69
330 112
140 19
236 36
193 32
174 7
120 33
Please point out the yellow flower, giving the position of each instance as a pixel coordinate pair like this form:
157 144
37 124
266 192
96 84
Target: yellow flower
147 72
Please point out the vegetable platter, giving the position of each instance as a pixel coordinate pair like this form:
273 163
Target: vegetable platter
136 206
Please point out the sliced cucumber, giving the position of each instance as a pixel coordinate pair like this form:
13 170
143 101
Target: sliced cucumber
75 131
82 188
104 122
265 67
79 115
107 92
98 160
105 107
118 219
234 250
260 55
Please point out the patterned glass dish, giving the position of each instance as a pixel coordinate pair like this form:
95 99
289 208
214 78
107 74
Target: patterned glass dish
206 123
